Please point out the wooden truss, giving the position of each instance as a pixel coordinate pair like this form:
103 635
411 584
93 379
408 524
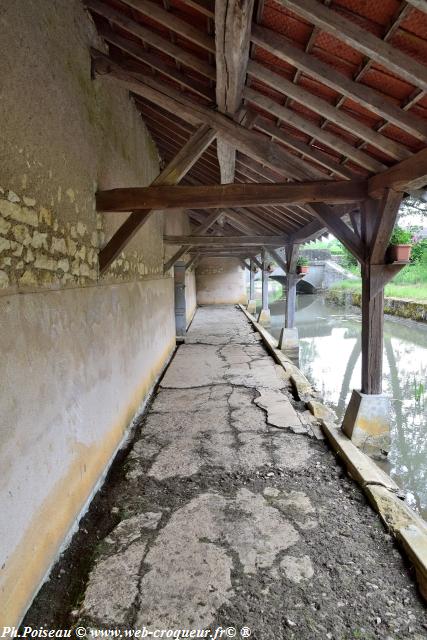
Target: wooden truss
241 115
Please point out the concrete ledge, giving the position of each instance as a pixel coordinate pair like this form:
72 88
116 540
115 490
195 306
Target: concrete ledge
382 492
360 467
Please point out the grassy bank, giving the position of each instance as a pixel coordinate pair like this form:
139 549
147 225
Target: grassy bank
409 284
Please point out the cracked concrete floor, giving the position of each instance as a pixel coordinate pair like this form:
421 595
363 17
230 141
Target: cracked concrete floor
231 512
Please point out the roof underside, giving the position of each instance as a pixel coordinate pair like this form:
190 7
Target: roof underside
329 128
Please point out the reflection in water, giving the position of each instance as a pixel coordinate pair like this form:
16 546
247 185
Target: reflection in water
330 358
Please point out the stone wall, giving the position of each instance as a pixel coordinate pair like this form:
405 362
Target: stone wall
220 281
410 309
80 352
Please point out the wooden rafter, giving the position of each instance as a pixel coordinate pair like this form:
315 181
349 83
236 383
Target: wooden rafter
320 106
361 39
150 37
225 241
329 76
309 127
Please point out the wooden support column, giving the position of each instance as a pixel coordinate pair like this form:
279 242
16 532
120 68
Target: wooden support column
264 315
252 281
372 334
252 302
377 222
292 251
367 419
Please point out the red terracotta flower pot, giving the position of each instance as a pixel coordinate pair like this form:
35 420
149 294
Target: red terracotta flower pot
302 269
399 252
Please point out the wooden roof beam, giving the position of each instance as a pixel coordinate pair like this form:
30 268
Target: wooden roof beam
225 241
172 22
310 128
233 20
328 111
362 94
360 39
306 150
156 62
150 37
214 196
201 229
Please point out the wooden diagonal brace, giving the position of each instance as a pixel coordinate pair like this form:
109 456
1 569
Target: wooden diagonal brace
172 174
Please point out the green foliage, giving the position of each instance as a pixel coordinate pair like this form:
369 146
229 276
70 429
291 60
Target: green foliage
302 262
401 236
349 261
419 252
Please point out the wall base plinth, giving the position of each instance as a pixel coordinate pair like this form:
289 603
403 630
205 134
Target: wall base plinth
367 422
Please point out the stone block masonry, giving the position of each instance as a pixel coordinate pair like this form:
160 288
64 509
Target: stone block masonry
38 250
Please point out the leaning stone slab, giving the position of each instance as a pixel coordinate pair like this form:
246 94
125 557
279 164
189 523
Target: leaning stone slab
280 412
320 410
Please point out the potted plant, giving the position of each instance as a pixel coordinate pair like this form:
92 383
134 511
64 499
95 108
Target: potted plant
302 265
399 249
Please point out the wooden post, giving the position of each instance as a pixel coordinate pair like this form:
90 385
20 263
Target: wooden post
372 334
264 283
292 251
264 314
291 295
252 281
377 222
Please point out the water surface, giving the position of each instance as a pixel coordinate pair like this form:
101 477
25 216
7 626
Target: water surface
330 358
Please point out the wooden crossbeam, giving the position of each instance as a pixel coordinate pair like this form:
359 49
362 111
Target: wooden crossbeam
328 111
193 261
360 39
201 229
307 126
232 31
230 195
226 241
172 174
310 231
407 175
362 94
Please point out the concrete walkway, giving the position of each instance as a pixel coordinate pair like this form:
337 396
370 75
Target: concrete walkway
235 514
